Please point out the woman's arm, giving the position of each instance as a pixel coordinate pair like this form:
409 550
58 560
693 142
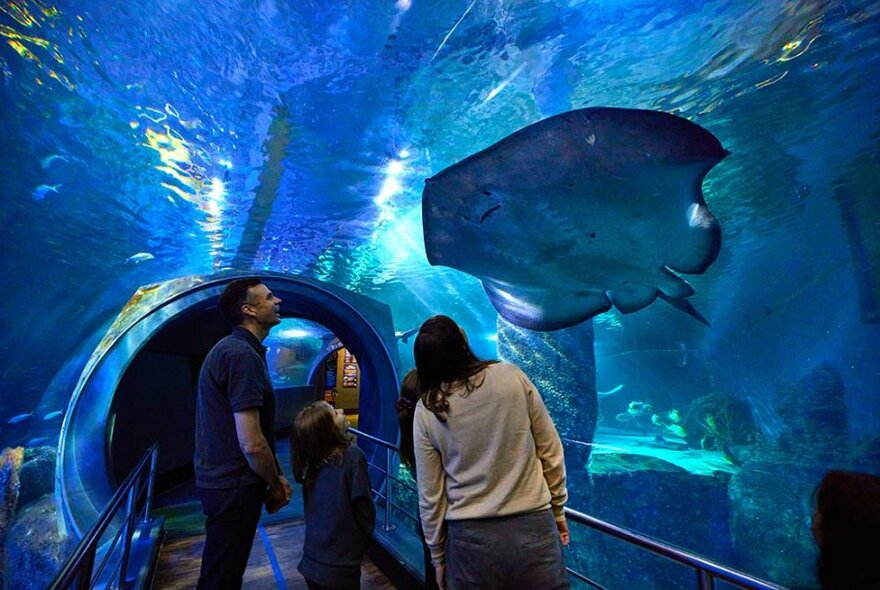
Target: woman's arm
432 487
548 447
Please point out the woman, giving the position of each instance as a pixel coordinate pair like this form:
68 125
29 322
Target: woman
491 469
846 526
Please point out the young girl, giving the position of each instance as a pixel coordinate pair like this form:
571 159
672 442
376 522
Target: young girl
336 496
846 526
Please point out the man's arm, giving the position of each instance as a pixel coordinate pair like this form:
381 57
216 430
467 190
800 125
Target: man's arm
260 457
254 446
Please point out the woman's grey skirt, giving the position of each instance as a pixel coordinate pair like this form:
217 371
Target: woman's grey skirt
520 551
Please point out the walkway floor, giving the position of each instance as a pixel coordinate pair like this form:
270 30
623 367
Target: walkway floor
180 559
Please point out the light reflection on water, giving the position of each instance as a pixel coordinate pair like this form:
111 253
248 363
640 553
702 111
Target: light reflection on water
153 114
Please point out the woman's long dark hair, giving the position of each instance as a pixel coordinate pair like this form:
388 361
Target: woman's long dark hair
406 410
315 440
848 530
444 360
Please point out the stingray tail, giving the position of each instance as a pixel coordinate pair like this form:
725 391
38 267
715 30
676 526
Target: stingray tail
684 305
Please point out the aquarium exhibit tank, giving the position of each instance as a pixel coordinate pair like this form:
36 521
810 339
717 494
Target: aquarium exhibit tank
151 142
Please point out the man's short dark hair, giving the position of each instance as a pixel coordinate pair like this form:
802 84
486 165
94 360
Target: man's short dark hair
234 296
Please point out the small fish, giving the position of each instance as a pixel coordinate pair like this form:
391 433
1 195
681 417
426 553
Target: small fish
677 430
37 441
674 415
637 408
41 191
655 419
139 257
404 336
683 357
610 391
53 415
20 418
47 161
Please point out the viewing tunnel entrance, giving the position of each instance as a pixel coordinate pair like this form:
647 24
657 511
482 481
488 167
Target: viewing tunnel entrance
139 385
156 401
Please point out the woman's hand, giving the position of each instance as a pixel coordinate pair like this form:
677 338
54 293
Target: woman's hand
562 525
440 574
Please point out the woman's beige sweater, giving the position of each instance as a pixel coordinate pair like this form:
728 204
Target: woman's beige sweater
497 454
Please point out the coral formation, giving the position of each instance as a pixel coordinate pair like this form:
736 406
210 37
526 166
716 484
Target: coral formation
10 467
37 547
37 474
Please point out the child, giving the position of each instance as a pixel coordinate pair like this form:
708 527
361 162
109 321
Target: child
336 496
846 526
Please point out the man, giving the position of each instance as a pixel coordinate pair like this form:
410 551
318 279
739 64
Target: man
235 463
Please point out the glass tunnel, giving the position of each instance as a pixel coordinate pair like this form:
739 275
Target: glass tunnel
666 213
144 369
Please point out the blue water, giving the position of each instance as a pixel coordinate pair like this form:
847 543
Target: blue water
143 142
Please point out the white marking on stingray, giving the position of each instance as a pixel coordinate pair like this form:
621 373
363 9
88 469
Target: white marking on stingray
699 216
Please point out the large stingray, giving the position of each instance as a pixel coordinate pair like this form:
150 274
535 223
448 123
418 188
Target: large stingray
577 212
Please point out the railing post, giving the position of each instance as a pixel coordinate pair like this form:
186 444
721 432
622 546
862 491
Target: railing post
151 478
131 513
79 568
84 577
705 581
388 526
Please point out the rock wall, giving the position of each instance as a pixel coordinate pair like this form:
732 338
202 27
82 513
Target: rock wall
814 412
657 499
26 478
770 514
37 547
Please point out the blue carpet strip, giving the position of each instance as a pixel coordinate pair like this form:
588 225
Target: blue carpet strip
279 577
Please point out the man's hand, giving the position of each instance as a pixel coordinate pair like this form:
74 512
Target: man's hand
562 525
288 489
279 495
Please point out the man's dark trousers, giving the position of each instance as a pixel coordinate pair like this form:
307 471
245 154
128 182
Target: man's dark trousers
233 515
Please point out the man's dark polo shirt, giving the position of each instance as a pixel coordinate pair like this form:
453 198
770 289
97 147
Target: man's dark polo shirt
234 377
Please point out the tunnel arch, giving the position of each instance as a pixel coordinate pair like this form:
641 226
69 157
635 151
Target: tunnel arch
84 480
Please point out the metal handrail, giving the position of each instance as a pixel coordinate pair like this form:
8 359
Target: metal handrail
707 571
389 447
77 572
387 526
